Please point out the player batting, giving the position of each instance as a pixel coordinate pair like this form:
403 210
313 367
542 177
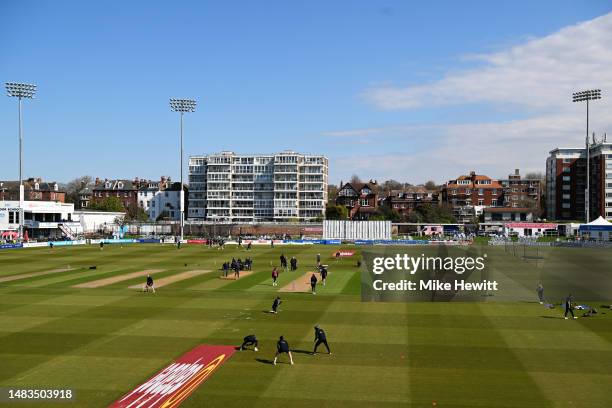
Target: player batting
149 286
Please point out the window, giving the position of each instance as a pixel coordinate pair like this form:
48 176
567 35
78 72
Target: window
566 196
566 205
566 178
566 187
480 191
364 202
481 202
566 170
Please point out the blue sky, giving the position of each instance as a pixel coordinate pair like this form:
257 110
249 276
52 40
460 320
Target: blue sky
385 89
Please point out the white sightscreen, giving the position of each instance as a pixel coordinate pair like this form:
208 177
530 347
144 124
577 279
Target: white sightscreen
352 230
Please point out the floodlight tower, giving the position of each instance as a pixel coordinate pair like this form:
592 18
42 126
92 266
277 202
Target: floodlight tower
182 106
20 91
588 95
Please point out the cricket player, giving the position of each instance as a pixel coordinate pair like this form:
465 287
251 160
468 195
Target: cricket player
249 340
274 276
540 291
318 259
101 245
282 347
276 304
319 339
568 306
313 284
323 271
149 284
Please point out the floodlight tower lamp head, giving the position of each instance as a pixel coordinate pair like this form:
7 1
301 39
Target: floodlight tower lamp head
20 90
182 105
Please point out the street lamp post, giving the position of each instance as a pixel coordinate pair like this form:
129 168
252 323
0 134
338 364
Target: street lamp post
588 95
20 91
182 106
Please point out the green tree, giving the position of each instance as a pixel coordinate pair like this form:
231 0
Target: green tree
162 216
110 204
136 213
336 212
332 194
435 214
385 213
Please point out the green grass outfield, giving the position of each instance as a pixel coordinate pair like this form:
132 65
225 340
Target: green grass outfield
103 342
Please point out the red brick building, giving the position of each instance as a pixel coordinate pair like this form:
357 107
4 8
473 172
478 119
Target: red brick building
360 200
519 192
566 182
466 194
405 201
35 189
125 190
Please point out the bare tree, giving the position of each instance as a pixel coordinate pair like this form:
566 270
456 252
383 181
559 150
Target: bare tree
535 175
74 187
355 179
431 185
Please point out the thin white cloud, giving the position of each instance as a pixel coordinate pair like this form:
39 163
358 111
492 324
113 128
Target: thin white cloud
495 149
538 77
381 131
353 132
541 73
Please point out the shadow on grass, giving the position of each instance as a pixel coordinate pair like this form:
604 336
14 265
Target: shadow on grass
265 361
301 351
551 317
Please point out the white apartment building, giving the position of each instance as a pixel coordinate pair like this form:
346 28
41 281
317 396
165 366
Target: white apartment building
286 186
160 198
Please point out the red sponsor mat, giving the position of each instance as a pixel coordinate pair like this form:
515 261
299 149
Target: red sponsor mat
172 385
197 241
343 253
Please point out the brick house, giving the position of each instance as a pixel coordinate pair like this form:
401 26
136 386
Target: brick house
360 199
125 190
35 189
519 192
467 195
405 201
